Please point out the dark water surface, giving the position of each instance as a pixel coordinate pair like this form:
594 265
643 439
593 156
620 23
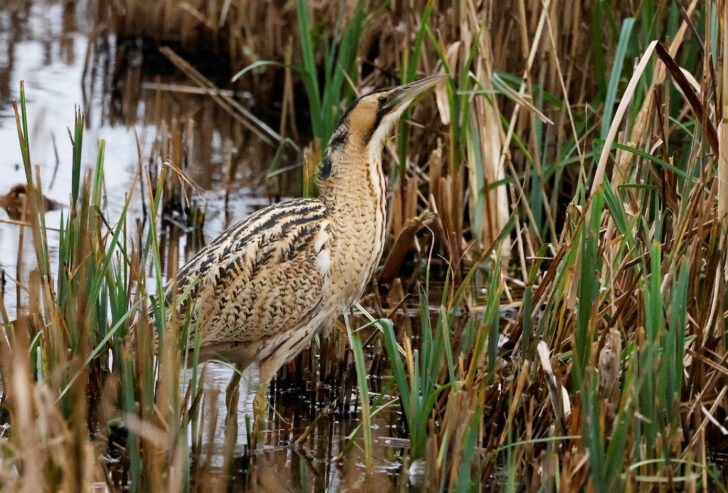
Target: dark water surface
67 59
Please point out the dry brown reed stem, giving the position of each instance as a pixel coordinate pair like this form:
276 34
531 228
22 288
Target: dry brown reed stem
486 121
619 114
183 89
24 224
537 158
723 132
640 128
567 102
523 87
234 108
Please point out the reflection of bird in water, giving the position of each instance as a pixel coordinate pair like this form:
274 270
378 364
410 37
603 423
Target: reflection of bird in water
262 289
13 202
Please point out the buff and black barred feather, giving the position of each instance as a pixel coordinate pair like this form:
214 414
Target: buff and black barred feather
262 276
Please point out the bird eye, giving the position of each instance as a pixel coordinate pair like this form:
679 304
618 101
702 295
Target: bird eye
382 99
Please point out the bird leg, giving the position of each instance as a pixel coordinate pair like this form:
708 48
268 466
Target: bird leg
260 412
232 395
233 389
260 408
266 371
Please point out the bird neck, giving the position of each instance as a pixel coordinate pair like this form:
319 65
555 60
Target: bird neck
353 187
350 177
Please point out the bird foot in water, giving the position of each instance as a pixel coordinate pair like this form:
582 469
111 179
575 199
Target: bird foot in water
260 414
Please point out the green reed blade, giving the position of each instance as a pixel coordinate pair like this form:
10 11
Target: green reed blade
361 376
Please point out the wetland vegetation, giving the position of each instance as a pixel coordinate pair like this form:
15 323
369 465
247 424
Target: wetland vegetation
550 311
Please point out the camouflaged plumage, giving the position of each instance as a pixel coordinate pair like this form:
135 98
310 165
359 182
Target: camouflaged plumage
264 287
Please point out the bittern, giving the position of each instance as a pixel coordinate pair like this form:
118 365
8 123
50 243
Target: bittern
268 284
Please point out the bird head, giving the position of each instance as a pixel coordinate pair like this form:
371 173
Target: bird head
370 118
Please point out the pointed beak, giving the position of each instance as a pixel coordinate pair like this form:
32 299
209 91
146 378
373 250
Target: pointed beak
403 95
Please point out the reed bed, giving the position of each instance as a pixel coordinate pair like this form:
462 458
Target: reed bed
550 311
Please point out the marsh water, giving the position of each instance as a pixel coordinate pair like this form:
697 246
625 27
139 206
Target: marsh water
67 60
137 102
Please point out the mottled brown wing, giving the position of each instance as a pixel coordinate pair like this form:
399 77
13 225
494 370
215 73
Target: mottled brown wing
261 277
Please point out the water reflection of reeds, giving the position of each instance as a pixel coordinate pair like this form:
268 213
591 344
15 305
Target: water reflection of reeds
129 88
